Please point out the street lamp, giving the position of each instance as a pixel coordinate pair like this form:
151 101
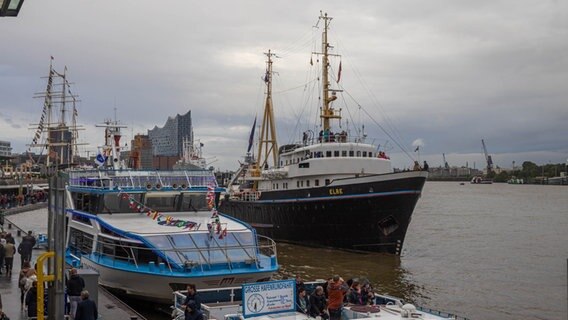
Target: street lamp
10 8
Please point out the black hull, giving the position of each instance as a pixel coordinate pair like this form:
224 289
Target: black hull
368 213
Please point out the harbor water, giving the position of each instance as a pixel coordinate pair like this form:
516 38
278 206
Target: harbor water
493 251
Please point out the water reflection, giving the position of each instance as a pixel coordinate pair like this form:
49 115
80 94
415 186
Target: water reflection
383 271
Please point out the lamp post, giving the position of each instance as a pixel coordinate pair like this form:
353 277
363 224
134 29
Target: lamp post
10 8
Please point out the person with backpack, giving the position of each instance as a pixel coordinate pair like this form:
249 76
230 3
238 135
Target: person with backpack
23 280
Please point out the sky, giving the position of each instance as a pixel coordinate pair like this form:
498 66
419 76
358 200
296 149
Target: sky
441 75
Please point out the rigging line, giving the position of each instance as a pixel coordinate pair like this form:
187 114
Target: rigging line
389 122
294 88
380 126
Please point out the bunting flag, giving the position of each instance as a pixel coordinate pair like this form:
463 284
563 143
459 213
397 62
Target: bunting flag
155 215
339 73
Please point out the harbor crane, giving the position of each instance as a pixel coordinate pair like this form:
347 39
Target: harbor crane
487 158
446 165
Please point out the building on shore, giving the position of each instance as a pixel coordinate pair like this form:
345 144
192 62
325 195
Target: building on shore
141 153
5 149
167 141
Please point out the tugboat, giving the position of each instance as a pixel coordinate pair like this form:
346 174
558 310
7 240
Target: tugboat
330 189
149 233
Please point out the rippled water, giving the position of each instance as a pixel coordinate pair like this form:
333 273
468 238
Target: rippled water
480 251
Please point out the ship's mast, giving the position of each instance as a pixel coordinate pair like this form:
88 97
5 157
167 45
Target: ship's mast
267 139
327 112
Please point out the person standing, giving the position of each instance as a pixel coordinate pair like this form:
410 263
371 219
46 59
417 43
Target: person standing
2 253
86 309
25 250
9 257
336 290
31 300
318 304
75 286
192 295
302 304
29 238
25 274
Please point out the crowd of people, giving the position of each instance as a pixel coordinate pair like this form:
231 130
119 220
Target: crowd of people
80 307
327 301
14 200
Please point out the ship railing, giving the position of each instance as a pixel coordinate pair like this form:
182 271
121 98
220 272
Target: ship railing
131 179
157 260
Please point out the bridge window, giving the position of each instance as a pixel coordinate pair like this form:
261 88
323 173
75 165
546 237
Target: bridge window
336 153
317 182
370 154
351 153
328 154
327 182
364 153
358 153
307 183
344 153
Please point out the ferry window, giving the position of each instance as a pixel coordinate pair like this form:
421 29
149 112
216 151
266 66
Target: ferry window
327 181
344 153
81 218
80 242
364 153
298 183
87 202
304 165
302 183
351 153
370 154
162 201
307 183
328 154
317 182
193 202
114 204
358 153
336 153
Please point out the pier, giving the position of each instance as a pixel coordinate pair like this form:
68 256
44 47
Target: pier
109 307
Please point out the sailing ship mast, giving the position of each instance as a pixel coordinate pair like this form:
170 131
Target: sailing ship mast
60 140
267 139
327 112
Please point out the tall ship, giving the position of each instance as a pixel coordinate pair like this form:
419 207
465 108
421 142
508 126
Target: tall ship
330 189
149 233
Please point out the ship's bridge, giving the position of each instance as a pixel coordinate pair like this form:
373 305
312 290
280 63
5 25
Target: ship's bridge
333 157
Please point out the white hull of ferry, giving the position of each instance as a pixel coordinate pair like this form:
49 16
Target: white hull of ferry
156 287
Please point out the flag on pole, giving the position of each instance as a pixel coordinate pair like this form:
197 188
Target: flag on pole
251 137
417 149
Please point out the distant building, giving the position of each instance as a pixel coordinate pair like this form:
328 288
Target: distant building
141 153
5 149
168 140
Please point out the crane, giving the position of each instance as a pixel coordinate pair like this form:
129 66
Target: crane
487 158
446 165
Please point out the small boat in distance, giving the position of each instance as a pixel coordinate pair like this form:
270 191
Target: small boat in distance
481 180
149 233
330 189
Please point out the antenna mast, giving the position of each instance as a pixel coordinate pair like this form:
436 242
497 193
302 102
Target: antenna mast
327 111
267 138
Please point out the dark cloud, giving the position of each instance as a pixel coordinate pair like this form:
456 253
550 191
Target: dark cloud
447 72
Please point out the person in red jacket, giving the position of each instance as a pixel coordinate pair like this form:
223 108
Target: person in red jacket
336 290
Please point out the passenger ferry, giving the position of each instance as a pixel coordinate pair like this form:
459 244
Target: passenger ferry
149 233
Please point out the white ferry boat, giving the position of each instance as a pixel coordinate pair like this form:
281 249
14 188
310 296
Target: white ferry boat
150 233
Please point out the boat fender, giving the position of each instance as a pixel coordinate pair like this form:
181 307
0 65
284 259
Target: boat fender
158 186
148 186
175 186
183 186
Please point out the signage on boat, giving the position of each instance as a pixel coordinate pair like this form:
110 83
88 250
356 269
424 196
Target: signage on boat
335 191
269 297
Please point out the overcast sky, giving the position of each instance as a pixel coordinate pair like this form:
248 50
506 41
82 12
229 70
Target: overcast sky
440 74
